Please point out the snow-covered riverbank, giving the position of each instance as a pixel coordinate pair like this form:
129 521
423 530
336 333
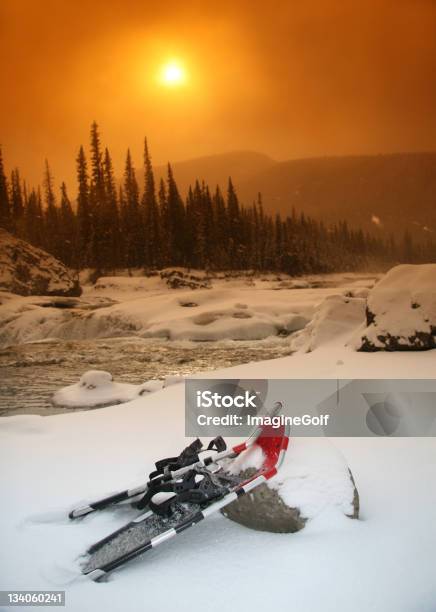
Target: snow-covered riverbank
241 308
383 562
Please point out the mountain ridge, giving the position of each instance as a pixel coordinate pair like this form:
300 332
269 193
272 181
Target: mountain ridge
384 192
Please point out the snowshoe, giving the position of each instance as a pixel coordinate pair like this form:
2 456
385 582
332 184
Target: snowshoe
175 500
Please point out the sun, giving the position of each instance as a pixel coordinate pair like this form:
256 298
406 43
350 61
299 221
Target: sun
173 74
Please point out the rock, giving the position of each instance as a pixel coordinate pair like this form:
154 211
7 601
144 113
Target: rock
263 509
93 379
27 270
179 278
401 311
95 388
314 477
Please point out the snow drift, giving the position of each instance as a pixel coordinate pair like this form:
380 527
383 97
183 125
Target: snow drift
335 318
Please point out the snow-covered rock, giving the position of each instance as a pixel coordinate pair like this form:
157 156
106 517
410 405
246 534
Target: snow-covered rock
95 388
27 270
179 278
313 478
401 311
335 318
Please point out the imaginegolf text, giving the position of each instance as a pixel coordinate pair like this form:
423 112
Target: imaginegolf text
234 420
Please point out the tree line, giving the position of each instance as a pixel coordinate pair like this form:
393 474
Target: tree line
112 225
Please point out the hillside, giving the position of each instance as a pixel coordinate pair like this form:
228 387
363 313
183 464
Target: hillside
378 192
242 166
399 189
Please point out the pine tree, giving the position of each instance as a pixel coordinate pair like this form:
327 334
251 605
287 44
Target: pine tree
199 226
5 214
97 203
122 224
110 214
67 229
220 224
165 226
176 218
84 218
191 230
150 211
234 225
17 203
132 225
51 218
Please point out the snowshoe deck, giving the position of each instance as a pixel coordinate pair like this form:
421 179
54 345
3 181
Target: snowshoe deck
137 537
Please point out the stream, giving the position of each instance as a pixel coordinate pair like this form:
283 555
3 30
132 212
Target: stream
31 373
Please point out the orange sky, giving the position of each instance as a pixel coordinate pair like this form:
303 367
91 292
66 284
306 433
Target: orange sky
291 79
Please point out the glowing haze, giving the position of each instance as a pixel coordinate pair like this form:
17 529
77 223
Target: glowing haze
290 79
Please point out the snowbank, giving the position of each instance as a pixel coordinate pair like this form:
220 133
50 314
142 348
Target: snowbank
334 564
335 318
401 311
27 270
235 308
203 315
97 388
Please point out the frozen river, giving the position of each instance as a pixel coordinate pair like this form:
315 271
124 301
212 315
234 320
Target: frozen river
31 373
138 307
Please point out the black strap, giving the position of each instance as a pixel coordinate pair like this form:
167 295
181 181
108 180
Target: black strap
185 489
187 457
217 444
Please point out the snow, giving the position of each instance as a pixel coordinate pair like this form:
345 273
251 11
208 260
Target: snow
314 476
95 388
381 563
251 458
235 308
335 318
404 306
